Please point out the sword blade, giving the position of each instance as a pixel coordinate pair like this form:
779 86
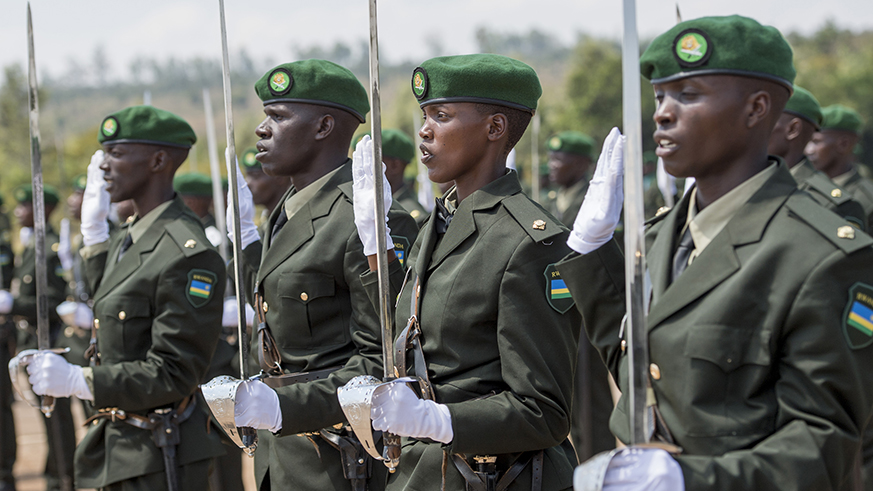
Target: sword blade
215 172
42 320
249 436
635 253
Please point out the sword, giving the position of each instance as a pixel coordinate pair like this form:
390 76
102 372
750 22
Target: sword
217 192
47 403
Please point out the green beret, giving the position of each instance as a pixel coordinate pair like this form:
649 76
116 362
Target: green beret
395 144
193 184
79 182
249 159
842 118
482 78
314 82
572 142
146 124
731 45
803 104
24 194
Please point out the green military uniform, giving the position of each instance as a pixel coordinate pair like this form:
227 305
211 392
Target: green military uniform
305 275
828 194
75 337
59 428
759 350
408 199
158 286
861 190
320 317
7 350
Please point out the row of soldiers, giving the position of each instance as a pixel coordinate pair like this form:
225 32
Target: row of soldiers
761 304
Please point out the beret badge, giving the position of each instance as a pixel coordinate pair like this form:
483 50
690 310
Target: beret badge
419 83
280 82
109 128
692 48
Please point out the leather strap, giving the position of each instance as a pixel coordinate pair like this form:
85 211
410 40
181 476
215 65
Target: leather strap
276 381
183 412
357 464
475 481
410 339
269 357
91 354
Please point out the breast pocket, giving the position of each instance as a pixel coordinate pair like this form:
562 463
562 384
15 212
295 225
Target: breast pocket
123 328
312 314
729 390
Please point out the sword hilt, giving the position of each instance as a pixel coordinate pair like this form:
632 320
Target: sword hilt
391 451
47 405
249 437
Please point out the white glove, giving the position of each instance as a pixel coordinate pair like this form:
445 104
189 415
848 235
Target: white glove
643 469
257 406
6 300
65 252
52 375
76 314
25 235
248 230
601 208
95 204
363 194
398 410
228 317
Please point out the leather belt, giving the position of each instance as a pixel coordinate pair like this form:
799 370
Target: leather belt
486 478
184 411
276 381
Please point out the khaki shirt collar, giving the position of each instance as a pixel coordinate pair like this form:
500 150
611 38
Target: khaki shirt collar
138 228
299 199
705 225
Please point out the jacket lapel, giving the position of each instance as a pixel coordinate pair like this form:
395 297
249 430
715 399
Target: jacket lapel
719 260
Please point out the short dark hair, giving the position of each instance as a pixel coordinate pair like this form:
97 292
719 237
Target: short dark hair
518 121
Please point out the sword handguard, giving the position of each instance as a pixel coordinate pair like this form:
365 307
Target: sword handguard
220 396
18 365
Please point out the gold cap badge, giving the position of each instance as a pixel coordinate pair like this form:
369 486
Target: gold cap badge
846 232
539 224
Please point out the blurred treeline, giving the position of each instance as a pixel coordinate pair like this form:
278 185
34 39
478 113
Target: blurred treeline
581 91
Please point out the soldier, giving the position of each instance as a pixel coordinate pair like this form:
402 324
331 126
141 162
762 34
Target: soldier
832 151
158 287
398 150
317 328
494 331
759 327
7 350
267 191
195 188
570 155
59 428
799 121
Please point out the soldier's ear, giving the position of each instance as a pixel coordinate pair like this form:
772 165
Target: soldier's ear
160 161
794 130
498 125
326 125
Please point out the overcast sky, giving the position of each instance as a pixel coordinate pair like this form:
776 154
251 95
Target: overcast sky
185 28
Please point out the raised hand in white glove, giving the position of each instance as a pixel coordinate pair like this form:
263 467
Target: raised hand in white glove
643 469
248 230
398 410
76 314
229 316
95 204
25 235
6 300
51 375
364 192
65 251
257 406
601 208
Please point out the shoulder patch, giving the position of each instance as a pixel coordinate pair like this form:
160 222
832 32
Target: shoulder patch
200 285
188 242
557 293
828 189
401 248
532 218
858 316
826 223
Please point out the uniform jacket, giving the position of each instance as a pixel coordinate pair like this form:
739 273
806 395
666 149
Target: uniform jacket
25 303
156 334
498 354
408 199
826 193
321 317
751 363
862 189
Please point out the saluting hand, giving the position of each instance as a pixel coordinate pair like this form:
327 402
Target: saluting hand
51 375
364 193
95 204
601 210
248 230
398 410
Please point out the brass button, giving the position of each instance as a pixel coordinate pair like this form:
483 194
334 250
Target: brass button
655 371
539 224
56 247
304 296
191 243
266 307
662 210
623 345
96 323
846 232
69 331
27 278
130 219
837 193
414 213
122 315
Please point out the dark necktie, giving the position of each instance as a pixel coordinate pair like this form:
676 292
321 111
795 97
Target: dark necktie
125 245
443 217
280 222
683 252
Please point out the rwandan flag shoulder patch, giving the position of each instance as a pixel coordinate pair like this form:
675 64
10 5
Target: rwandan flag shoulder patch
201 283
858 316
557 293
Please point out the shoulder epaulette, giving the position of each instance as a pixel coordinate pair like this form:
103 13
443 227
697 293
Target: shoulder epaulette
659 215
190 243
532 218
837 230
829 189
347 190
